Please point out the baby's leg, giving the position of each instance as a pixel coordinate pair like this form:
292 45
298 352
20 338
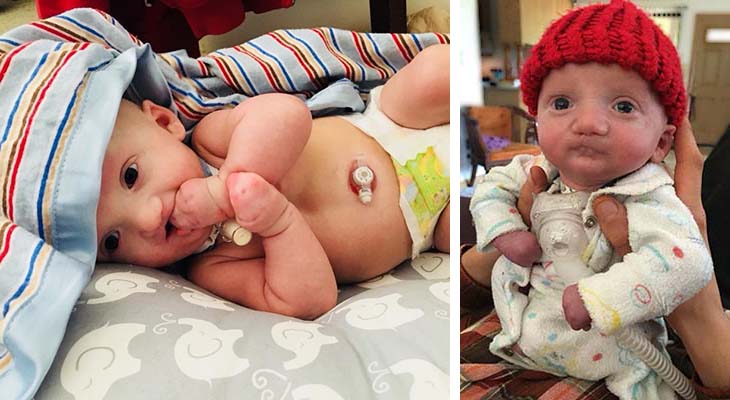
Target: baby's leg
441 235
417 96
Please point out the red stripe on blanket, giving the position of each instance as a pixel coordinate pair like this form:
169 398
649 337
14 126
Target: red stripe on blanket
203 70
226 77
54 32
31 119
270 74
366 56
403 51
9 57
442 38
6 241
348 69
301 61
182 108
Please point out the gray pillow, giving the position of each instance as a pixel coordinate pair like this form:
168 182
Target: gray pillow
142 333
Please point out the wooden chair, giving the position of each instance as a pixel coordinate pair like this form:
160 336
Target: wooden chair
496 121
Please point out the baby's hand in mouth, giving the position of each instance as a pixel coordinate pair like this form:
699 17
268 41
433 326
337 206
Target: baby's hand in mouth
199 202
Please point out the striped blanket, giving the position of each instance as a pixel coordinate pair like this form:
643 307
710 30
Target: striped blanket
61 81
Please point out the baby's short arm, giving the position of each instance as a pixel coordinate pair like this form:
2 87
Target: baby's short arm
265 134
494 204
668 264
520 247
293 278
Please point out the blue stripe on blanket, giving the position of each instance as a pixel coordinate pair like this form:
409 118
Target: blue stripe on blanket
87 29
196 98
16 105
292 86
243 73
337 46
49 162
312 52
8 41
28 275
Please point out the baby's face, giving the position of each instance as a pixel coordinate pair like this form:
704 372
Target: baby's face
599 122
144 165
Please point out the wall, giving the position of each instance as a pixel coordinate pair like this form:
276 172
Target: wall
686 35
349 14
690 8
467 80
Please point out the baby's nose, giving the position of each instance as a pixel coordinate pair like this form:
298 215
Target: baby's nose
148 218
591 121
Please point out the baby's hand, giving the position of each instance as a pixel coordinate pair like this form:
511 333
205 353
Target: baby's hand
196 205
520 247
257 205
575 311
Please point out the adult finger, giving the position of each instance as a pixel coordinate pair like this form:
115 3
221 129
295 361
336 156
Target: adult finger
688 173
536 183
614 222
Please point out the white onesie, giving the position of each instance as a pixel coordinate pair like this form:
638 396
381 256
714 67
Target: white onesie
669 263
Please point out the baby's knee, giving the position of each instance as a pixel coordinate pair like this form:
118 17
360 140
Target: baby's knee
432 69
437 54
289 109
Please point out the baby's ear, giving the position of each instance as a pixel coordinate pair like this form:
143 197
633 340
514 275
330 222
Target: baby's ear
665 143
164 118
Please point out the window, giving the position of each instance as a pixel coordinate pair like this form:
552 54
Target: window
717 35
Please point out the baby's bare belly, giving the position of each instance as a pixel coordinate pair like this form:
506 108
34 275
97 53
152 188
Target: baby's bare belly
361 241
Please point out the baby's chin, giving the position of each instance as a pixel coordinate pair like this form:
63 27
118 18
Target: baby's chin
587 174
589 179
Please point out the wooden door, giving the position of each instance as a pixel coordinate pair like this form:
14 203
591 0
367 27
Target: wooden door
710 80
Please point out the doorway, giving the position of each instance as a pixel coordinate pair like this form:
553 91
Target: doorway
709 84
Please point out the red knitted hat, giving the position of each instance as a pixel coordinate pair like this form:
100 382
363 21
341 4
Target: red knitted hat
617 33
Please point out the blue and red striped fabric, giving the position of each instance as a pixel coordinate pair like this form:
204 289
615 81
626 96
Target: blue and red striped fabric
61 81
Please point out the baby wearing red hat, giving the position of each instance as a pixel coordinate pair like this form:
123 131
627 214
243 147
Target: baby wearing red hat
606 86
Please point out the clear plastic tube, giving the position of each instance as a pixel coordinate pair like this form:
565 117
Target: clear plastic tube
633 340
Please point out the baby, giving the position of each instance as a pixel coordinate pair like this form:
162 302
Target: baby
289 180
606 86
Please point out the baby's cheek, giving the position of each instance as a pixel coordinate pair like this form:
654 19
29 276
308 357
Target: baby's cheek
551 148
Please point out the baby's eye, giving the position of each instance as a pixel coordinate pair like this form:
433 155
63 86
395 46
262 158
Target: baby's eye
624 107
130 175
561 103
111 242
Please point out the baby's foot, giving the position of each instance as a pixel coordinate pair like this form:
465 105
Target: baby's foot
257 205
196 205
520 247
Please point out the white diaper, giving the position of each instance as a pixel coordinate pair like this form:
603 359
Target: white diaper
421 162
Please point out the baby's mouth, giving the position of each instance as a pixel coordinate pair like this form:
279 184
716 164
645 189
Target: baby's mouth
168 229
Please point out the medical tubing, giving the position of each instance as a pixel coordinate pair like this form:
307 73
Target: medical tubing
633 340
233 232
